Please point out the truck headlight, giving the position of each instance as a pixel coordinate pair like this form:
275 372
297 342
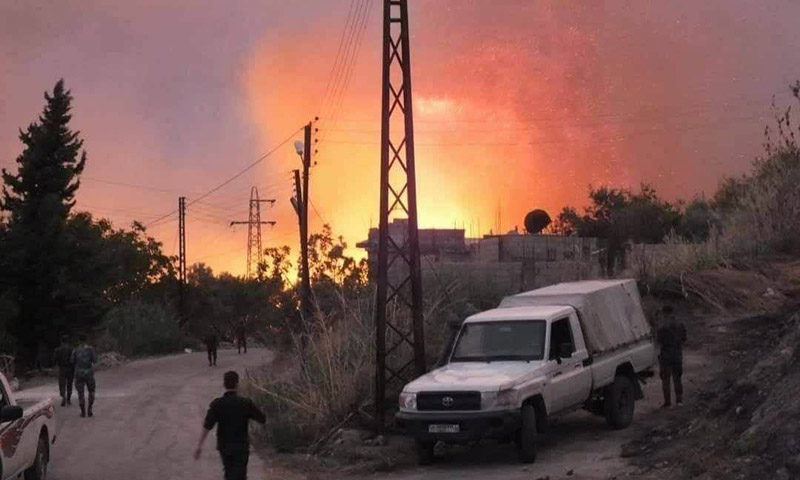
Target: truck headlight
408 401
498 400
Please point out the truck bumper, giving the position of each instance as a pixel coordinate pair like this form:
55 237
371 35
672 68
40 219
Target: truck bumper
472 426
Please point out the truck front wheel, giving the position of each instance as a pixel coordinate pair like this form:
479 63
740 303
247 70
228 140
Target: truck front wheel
620 401
527 435
38 471
424 451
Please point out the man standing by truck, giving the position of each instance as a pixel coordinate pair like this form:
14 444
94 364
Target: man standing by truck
670 337
66 370
231 415
83 358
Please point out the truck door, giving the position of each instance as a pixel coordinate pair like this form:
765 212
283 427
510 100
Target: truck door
571 380
10 437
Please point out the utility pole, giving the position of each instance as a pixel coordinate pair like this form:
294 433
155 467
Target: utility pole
400 355
182 258
255 253
300 204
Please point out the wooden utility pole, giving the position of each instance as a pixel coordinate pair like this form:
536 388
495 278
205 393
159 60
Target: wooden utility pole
300 203
182 259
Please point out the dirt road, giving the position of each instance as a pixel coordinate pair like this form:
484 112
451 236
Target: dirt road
147 421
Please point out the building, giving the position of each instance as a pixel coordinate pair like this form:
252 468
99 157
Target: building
436 244
510 262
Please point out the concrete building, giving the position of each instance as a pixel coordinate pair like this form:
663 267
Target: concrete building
510 263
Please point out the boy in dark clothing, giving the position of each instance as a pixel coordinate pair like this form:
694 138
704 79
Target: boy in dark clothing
66 370
83 358
670 337
211 348
231 415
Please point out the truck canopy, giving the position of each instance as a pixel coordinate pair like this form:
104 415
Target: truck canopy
610 311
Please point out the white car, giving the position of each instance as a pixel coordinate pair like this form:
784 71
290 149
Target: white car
27 430
541 353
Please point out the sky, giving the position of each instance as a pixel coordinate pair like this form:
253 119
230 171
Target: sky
519 104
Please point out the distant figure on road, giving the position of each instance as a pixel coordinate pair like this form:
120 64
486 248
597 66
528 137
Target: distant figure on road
211 348
670 337
83 358
231 415
66 370
241 337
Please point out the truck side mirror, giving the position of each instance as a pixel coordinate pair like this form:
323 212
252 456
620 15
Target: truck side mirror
10 413
565 350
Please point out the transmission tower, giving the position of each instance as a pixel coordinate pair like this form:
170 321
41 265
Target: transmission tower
254 251
400 338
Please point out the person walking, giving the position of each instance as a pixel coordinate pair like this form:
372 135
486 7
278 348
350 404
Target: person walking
83 358
211 348
241 337
66 370
670 337
231 415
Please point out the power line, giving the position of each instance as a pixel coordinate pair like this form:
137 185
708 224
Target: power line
231 179
335 65
359 38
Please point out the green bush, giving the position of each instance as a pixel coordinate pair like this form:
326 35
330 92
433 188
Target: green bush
138 328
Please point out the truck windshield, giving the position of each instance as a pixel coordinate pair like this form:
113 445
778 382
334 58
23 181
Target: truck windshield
496 341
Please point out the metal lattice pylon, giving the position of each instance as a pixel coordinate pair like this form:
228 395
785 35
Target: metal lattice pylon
255 253
399 336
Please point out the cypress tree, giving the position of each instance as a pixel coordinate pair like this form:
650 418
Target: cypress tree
37 201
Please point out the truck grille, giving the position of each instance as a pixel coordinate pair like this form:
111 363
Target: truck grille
449 401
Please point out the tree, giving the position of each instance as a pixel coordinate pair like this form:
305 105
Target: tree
618 216
38 199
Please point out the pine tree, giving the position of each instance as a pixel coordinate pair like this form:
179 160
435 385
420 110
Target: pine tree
38 199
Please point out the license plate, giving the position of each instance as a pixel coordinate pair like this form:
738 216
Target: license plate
444 428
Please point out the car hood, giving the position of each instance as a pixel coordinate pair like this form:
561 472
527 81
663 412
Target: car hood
472 376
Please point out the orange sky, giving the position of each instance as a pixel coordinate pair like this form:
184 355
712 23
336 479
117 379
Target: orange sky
518 104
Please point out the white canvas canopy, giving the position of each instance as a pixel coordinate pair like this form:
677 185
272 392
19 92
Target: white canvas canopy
610 310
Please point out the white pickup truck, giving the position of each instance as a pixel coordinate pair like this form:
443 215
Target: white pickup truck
27 429
540 354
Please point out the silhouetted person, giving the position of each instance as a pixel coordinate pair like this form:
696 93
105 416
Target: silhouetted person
241 337
83 358
66 370
671 337
211 348
231 415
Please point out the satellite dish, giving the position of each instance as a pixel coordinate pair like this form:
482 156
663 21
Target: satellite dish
299 147
536 221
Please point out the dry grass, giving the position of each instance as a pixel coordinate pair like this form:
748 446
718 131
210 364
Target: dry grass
325 379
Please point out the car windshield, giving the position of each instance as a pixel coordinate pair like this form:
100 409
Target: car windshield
495 341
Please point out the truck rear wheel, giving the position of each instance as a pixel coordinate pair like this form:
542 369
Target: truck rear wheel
526 445
38 471
620 402
424 451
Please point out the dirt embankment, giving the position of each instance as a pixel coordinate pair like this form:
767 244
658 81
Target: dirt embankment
744 422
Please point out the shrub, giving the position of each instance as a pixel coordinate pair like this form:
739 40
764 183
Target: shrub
312 388
326 378
138 328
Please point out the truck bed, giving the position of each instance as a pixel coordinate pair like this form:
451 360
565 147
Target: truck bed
610 311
